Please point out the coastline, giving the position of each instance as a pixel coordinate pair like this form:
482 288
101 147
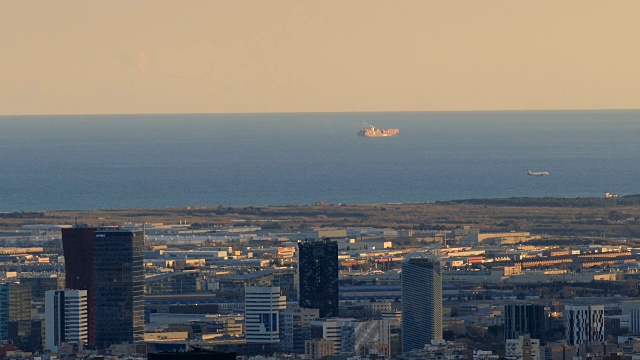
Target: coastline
580 216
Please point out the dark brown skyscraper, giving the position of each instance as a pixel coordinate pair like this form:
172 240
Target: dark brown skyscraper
80 271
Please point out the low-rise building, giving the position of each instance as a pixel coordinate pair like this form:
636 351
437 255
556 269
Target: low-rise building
523 348
316 349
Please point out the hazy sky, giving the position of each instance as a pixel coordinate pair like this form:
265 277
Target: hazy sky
150 56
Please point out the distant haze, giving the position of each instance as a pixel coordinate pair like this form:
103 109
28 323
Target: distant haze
150 56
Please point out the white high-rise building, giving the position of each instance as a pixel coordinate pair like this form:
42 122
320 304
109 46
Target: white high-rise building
262 305
584 324
65 318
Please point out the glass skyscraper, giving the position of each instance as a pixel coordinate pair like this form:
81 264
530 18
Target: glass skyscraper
421 303
119 285
318 274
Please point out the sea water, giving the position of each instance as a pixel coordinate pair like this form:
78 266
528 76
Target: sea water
152 161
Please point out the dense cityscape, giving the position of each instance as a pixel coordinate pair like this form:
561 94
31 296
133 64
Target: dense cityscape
126 291
328 180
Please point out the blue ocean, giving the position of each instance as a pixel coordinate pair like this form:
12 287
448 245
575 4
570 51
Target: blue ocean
153 161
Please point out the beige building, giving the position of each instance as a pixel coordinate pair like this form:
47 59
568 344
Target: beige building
318 349
323 233
504 238
513 270
166 336
614 276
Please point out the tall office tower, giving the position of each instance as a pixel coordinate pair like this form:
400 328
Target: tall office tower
318 276
522 319
77 243
119 286
262 306
65 318
584 324
4 312
421 303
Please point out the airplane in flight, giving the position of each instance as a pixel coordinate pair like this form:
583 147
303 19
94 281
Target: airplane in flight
538 173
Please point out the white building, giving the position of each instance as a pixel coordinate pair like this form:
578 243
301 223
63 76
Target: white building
65 318
262 305
584 324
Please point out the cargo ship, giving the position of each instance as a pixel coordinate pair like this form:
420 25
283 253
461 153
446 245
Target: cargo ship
372 131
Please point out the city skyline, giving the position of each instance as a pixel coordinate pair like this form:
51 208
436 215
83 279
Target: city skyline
73 57
507 294
286 180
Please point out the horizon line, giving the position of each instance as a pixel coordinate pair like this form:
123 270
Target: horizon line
320 112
